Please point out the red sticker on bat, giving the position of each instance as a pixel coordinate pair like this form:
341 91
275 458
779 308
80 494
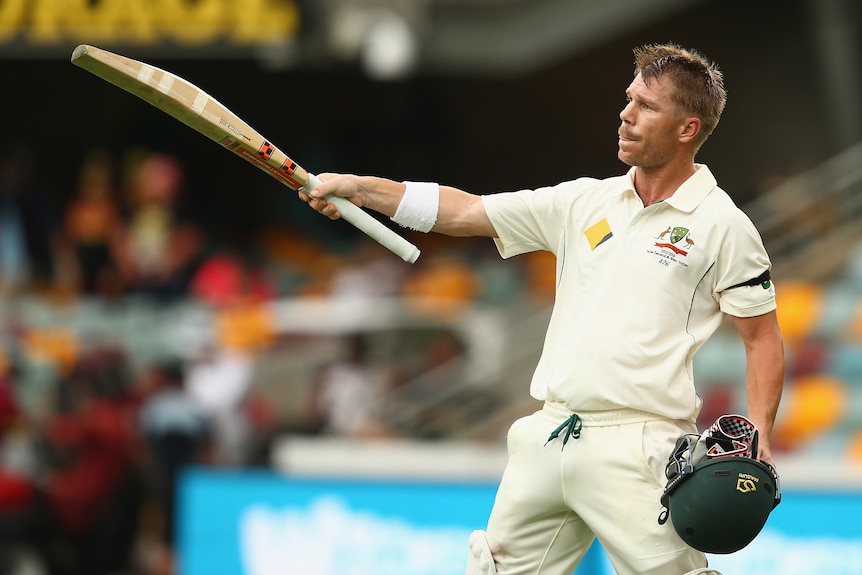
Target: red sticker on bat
288 167
277 173
266 150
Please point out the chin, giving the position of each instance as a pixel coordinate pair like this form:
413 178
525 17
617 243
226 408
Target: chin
625 158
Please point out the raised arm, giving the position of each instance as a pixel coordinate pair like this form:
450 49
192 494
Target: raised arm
764 373
459 214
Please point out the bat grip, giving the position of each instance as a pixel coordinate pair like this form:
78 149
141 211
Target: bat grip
366 223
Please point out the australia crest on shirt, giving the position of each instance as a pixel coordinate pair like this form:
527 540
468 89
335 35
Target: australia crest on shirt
672 246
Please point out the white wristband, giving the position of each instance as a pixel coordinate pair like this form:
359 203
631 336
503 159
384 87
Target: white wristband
419 206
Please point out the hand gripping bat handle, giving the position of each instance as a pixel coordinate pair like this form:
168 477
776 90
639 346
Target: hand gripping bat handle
366 223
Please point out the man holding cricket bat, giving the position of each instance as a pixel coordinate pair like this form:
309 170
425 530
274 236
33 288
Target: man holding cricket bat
648 264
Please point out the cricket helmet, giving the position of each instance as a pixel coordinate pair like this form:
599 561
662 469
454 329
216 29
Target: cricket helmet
719 503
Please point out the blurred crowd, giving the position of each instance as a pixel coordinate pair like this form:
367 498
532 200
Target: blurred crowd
89 462
131 224
87 489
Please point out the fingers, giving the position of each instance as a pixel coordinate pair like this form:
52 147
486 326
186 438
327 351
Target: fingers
316 198
330 211
320 204
764 455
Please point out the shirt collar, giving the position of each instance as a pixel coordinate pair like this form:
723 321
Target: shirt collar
686 197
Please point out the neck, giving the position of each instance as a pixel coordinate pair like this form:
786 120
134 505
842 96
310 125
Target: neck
656 184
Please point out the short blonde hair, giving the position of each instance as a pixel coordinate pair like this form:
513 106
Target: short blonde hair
699 83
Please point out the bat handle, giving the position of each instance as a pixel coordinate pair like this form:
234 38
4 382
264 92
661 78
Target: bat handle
366 223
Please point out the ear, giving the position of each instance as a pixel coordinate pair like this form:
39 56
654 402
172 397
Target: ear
689 128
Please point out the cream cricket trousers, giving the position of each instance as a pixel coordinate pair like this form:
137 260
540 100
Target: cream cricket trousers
555 499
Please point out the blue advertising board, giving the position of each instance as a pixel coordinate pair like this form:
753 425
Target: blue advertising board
263 523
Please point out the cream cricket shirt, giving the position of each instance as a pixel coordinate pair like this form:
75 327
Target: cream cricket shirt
639 290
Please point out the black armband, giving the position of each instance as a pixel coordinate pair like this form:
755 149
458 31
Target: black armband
759 280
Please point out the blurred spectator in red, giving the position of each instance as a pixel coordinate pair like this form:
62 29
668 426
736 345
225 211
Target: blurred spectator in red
811 354
93 483
720 397
228 278
21 510
159 247
92 222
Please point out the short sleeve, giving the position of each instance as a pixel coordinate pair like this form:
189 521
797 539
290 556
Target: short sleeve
531 220
743 285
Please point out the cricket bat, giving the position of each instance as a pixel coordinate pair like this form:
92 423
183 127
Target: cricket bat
200 111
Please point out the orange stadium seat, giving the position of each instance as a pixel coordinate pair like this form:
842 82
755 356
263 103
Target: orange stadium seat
813 406
799 309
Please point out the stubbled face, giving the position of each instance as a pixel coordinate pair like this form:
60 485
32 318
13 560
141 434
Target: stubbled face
650 128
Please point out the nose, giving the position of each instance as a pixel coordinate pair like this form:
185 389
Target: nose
626 113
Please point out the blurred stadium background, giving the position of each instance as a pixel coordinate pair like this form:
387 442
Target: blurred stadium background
177 394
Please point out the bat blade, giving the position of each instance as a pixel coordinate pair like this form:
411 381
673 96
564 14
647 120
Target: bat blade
195 108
